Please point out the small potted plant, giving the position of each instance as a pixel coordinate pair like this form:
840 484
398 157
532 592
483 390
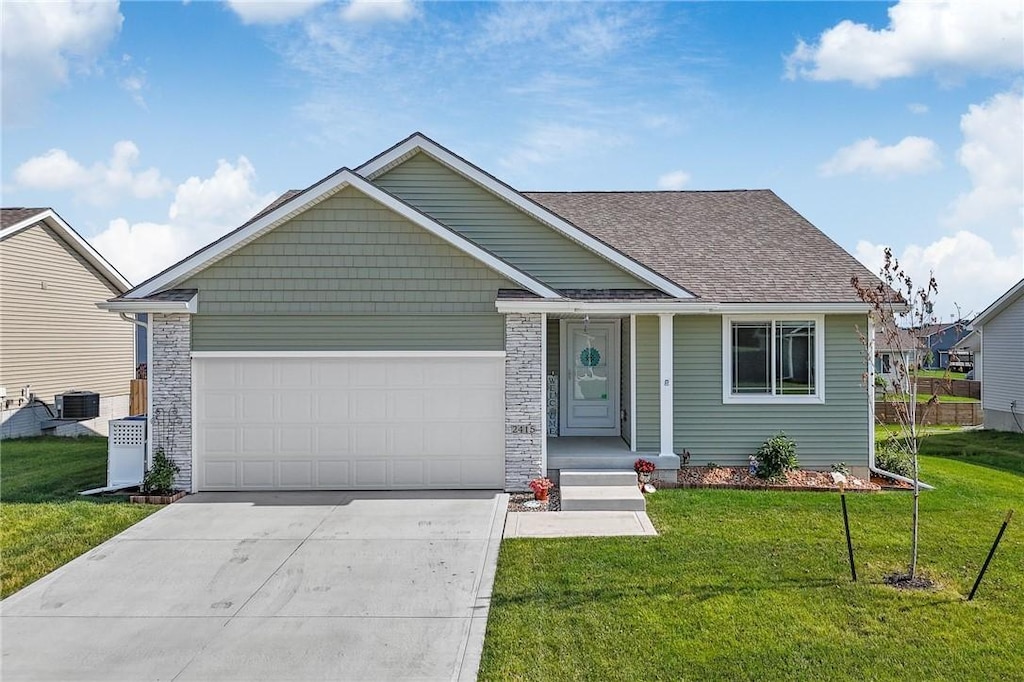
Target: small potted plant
540 488
644 469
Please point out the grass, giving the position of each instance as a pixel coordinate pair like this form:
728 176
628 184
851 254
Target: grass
750 585
939 374
44 523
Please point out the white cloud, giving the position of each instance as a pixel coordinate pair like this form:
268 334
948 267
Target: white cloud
578 30
674 180
917 108
99 184
969 270
911 155
947 37
271 11
555 142
984 255
993 154
203 209
43 41
378 10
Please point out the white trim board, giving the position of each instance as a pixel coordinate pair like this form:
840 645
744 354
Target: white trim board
203 354
417 142
677 307
319 192
75 240
190 306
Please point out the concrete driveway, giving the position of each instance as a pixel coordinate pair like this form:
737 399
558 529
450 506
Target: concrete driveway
270 586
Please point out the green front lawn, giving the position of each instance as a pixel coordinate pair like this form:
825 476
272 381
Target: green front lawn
939 374
923 398
750 585
44 523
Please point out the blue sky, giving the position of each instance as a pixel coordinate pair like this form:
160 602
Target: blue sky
153 127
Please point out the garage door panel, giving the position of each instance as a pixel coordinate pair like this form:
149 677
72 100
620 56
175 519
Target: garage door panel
257 407
333 474
349 423
296 474
371 473
256 440
257 474
297 407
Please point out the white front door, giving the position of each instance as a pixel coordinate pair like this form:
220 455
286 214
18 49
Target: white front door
590 371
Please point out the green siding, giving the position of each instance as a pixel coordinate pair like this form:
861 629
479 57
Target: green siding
348 274
501 228
348 332
836 431
648 395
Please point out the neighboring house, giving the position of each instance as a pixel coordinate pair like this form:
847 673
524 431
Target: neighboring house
940 343
52 337
417 323
997 338
890 350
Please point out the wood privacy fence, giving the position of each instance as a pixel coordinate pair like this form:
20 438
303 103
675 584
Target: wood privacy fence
957 387
961 414
137 397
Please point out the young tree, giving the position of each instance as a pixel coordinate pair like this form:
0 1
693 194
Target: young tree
898 310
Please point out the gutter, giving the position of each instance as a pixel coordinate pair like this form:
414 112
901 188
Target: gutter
873 468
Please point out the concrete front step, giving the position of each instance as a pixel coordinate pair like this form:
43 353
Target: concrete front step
602 498
596 477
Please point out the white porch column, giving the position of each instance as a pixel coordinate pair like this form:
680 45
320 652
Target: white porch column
665 381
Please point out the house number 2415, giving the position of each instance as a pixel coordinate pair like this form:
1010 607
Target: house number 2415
528 429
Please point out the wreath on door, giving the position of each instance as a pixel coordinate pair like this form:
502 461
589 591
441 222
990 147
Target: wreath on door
590 357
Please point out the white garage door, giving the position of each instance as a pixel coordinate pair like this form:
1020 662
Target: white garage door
336 423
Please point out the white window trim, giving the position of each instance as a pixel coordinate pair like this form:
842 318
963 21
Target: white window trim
819 361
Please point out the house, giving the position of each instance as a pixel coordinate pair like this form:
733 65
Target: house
417 323
941 342
997 338
52 337
896 355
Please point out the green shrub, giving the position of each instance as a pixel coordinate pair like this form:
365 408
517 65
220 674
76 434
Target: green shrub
159 480
889 456
776 456
841 468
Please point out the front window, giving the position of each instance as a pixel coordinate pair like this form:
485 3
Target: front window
772 360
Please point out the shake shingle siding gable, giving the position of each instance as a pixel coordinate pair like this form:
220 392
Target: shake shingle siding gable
347 274
744 246
501 228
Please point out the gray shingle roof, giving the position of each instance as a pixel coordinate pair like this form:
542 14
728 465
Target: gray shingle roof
14 215
726 246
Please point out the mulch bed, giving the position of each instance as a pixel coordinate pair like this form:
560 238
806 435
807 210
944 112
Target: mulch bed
886 483
517 502
902 581
740 478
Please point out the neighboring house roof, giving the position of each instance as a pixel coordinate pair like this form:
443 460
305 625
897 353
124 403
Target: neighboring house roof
15 220
903 339
1001 303
726 246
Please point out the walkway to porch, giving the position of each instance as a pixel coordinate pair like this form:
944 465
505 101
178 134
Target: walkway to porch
600 452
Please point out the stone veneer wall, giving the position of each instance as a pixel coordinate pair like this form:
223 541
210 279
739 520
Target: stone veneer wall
524 410
170 371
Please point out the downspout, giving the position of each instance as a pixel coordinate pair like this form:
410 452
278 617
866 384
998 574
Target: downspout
872 467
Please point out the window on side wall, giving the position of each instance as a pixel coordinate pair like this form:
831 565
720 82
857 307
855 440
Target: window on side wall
773 359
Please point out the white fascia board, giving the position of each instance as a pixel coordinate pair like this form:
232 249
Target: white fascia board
211 354
316 194
1000 304
190 306
68 234
690 307
418 142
